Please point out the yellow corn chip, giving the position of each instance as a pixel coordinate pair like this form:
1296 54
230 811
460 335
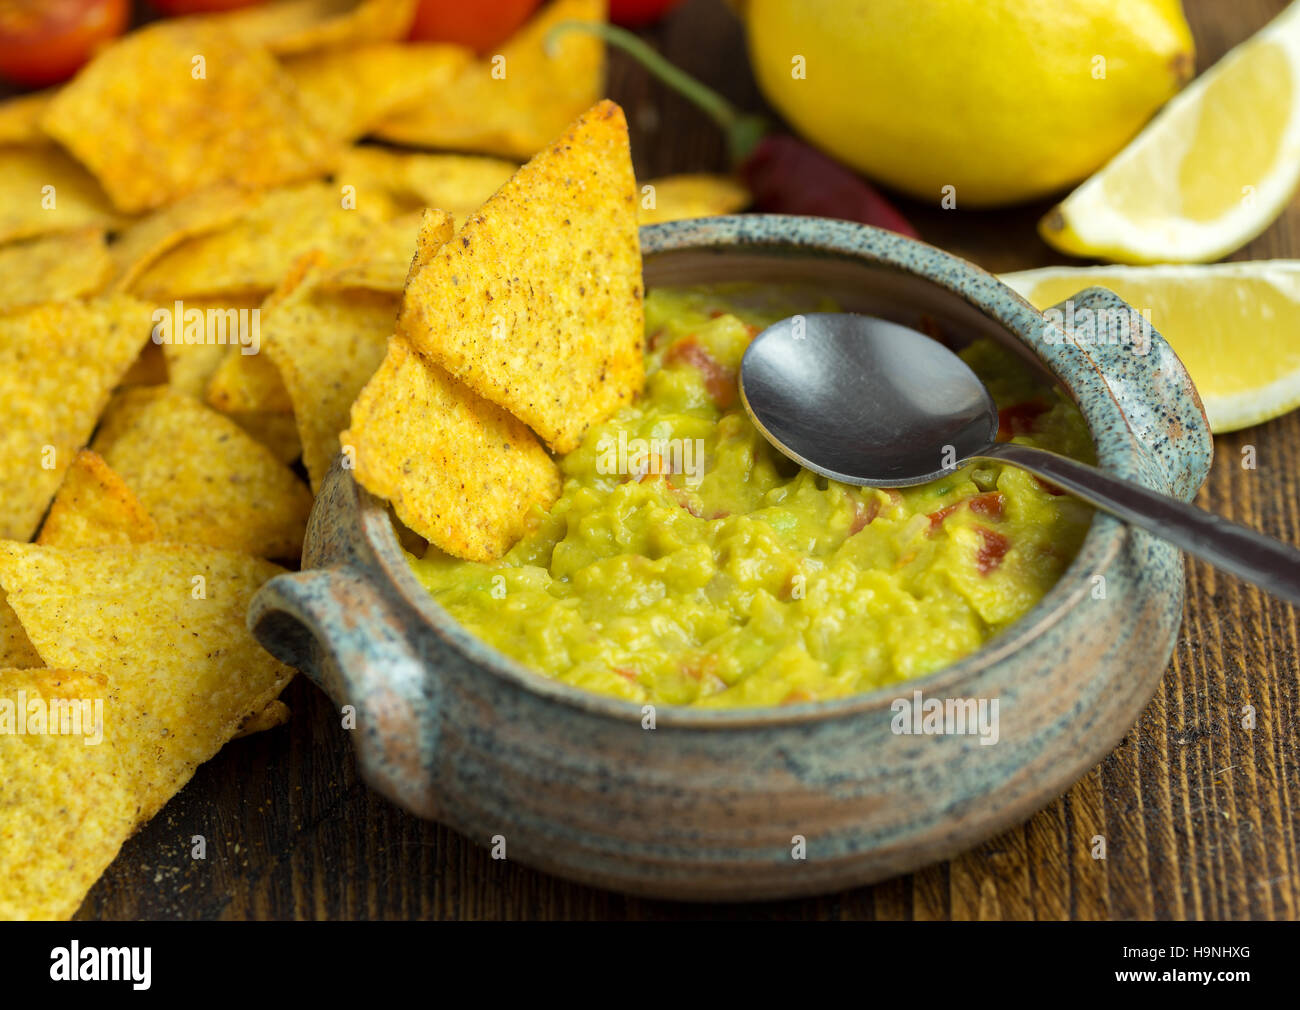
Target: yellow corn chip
675 197
458 183
53 268
519 113
148 369
275 714
177 106
165 624
253 255
278 432
190 367
326 345
43 191
348 91
58 365
460 472
143 241
202 477
66 802
300 26
16 652
95 508
249 384
20 118
385 262
536 303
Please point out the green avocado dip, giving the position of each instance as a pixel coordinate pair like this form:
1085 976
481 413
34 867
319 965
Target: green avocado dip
689 563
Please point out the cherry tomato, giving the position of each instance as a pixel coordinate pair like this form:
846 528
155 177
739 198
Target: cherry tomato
638 13
46 41
174 7
481 25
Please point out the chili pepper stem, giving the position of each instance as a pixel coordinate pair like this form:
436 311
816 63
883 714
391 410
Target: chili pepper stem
743 131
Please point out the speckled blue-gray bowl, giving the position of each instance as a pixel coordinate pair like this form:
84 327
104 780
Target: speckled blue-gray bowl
765 803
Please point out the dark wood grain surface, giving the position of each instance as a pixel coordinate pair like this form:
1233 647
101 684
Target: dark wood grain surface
1199 814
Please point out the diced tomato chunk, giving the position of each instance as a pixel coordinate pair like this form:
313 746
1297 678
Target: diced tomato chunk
719 380
993 548
1019 418
863 514
937 518
990 504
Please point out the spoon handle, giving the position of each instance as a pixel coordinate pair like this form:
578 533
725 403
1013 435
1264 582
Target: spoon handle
1268 563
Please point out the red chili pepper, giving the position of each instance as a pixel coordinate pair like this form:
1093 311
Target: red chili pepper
636 13
785 174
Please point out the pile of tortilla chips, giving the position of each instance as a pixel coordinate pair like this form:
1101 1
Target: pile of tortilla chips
209 287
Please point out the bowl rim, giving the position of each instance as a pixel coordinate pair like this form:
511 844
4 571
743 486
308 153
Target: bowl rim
781 235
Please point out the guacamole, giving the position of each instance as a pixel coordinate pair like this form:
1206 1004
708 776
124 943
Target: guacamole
687 562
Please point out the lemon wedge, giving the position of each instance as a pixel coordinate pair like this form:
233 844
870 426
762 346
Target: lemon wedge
1208 174
1234 326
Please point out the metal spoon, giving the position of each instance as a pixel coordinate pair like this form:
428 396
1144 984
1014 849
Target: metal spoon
865 401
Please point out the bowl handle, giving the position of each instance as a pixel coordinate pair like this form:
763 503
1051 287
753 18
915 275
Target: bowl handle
339 629
1147 379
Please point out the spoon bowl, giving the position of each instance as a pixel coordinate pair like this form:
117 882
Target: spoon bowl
865 401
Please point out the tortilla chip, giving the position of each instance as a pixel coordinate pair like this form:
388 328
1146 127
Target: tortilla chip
326 345
58 365
43 191
676 197
248 383
16 652
300 26
202 477
518 114
53 268
385 262
20 118
190 367
278 432
459 471
148 369
95 508
536 303
142 242
275 714
459 183
165 624
253 255
348 91
66 804
152 132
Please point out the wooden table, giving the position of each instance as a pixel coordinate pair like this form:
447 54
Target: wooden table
1199 814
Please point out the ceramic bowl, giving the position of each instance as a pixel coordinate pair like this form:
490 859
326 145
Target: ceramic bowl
771 802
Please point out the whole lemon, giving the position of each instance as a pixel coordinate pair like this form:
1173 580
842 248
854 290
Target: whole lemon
1004 100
